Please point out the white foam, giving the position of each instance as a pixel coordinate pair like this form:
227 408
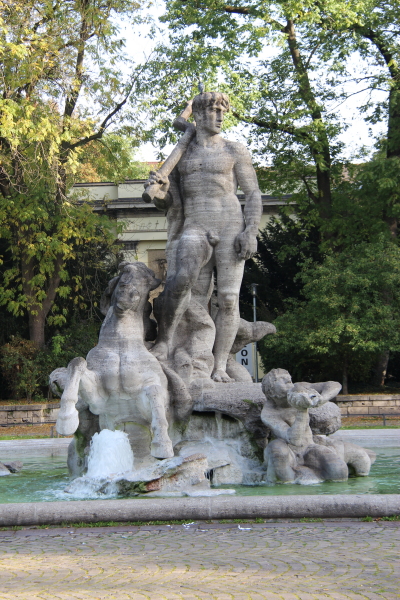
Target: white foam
110 453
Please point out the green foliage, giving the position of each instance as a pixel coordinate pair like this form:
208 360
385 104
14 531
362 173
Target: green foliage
65 79
350 313
112 158
26 368
365 202
41 240
20 368
283 246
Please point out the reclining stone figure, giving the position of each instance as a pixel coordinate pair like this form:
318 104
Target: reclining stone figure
120 380
295 455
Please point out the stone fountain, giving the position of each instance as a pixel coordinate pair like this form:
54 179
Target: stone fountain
163 376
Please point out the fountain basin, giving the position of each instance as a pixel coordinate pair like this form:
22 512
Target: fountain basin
43 479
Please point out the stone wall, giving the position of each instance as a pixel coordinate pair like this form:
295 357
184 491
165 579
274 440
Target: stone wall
19 414
375 404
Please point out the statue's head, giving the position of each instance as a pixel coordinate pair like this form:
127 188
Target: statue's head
129 289
209 109
276 385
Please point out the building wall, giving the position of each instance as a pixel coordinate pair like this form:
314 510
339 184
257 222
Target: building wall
145 228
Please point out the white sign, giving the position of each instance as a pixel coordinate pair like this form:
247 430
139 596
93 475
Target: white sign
245 358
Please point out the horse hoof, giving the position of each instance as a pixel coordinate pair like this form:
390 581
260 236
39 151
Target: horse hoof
67 425
162 450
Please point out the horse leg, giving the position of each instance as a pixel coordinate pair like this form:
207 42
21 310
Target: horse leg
161 445
68 417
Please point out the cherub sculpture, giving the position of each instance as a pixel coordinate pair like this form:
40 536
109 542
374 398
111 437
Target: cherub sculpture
295 455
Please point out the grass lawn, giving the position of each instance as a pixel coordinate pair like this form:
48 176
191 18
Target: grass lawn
371 422
28 431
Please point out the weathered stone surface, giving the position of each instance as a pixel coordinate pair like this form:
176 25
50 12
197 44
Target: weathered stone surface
206 230
242 401
229 462
119 363
188 395
173 474
325 419
14 466
247 333
295 455
4 470
150 509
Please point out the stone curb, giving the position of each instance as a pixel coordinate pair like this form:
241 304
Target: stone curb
270 507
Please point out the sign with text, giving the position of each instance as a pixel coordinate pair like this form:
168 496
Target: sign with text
245 358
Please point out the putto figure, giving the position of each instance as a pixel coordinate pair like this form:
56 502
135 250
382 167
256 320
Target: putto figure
207 228
295 455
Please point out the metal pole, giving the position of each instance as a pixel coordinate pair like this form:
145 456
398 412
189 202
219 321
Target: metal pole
254 294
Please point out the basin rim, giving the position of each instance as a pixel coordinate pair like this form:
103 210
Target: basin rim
205 508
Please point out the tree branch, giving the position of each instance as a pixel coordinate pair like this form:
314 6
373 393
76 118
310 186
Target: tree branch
53 283
103 126
45 19
275 126
238 10
309 190
378 40
72 99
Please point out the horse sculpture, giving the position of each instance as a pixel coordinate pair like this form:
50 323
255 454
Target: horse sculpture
120 380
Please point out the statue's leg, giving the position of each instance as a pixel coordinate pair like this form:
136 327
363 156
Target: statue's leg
280 462
229 279
193 252
161 445
92 392
326 463
68 417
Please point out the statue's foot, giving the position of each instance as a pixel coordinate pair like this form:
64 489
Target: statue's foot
220 376
162 450
160 351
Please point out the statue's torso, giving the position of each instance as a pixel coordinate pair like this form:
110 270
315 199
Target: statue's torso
208 185
124 365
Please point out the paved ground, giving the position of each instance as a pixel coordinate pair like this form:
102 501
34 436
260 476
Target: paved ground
287 561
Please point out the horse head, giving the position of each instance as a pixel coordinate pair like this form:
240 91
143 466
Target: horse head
130 289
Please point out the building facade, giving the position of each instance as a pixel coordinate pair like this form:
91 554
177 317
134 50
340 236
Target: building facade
144 234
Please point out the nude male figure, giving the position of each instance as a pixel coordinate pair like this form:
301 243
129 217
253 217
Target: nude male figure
295 455
214 230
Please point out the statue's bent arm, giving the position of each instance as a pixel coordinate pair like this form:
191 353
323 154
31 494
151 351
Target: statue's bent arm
247 181
328 390
271 418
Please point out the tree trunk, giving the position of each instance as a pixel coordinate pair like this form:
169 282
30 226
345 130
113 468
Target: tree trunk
38 311
36 328
320 149
345 387
380 368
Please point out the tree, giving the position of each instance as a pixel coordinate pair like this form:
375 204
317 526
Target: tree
62 87
351 310
112 158
285 65
283 247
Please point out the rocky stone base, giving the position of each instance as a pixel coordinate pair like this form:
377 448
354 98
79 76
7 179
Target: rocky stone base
181 475
10 467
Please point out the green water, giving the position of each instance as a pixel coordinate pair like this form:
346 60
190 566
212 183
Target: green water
384 478
44 479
